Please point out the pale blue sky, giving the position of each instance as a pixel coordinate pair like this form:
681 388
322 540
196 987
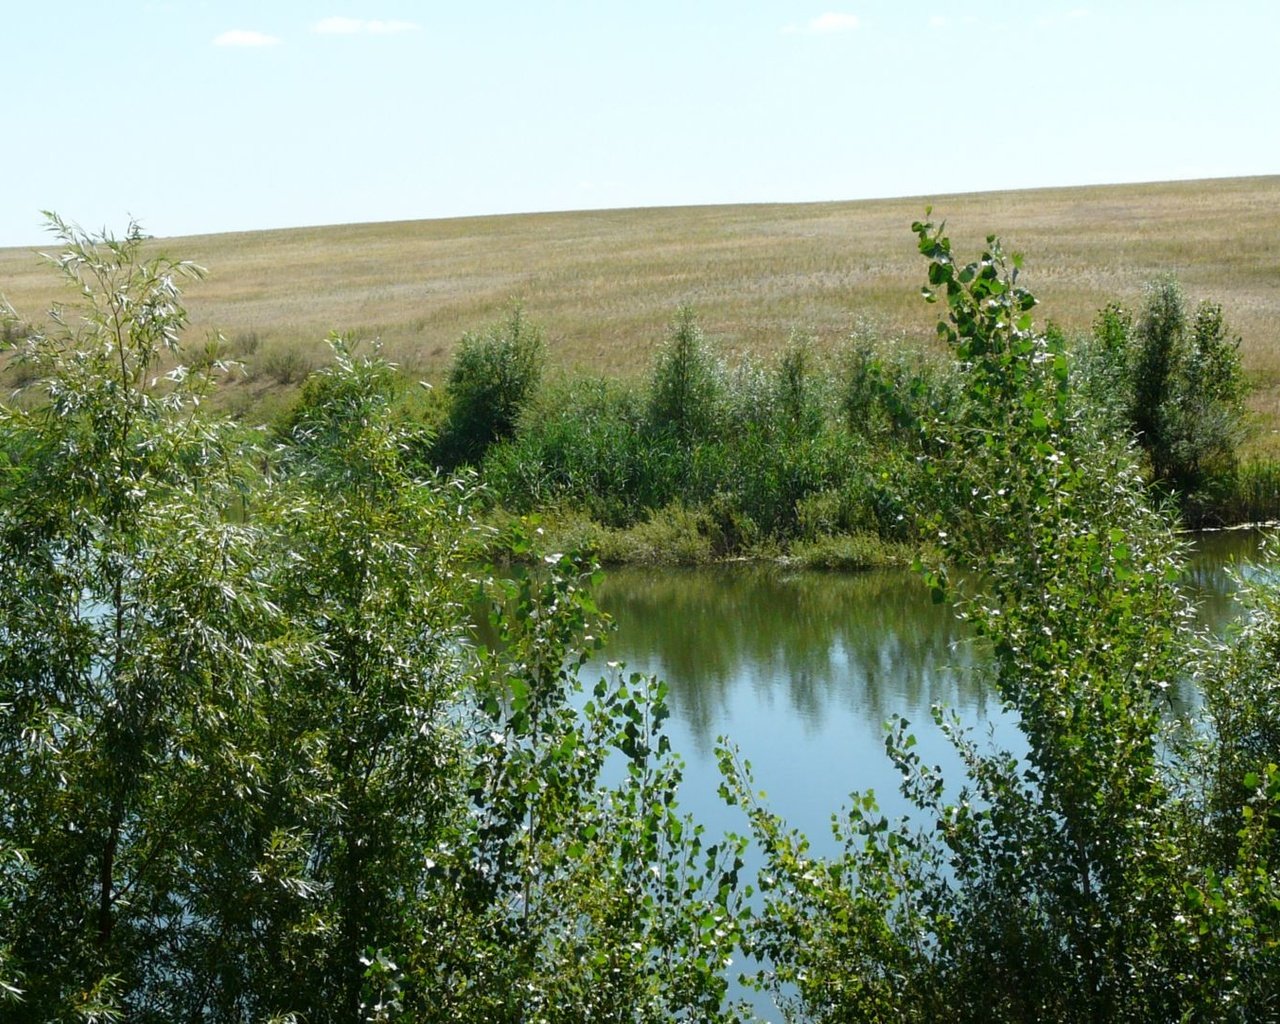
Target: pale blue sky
240 114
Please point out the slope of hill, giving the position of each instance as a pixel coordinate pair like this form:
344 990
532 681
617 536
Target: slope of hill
604 284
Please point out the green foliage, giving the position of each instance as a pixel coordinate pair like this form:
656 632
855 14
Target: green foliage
686 383
575 900
1101 375
1086 879
584 443
1158 343
850 552
771 442
1252 495
123 667
891 398
369 576
283 362
1176 385
492 379
255 765
798 401
747 450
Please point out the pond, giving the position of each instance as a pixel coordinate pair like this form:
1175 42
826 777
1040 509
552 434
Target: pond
801 670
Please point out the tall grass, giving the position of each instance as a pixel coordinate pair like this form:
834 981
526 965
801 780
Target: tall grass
1250 494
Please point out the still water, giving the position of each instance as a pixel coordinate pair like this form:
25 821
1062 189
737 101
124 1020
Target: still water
801 670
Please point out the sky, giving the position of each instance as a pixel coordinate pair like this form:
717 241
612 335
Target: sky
195 117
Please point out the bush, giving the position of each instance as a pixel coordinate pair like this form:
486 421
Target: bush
686 384
1175 384
284 362
798 401
767 439
850 553
674 535
493 377
586 444
243 343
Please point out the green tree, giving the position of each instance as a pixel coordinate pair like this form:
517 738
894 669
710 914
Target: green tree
256 767
1181 386
686 383
493 377
362 749
127 622
1073 882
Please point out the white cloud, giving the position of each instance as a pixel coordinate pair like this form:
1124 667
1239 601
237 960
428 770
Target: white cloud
337 26
833 21
243 37
825 24
937 21
358 26
387 28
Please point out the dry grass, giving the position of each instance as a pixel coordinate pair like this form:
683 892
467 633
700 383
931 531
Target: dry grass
604 284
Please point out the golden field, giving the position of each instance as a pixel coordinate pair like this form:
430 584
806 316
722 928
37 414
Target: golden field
604 284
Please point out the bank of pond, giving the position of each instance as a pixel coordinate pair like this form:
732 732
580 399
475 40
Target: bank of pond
827 456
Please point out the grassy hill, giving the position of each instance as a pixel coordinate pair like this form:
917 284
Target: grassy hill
604 284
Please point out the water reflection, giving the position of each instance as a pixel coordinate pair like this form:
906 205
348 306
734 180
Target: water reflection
809 645
1215 561
813 644
802 669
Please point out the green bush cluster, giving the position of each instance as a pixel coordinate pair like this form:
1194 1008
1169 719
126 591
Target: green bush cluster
493 377
256 763
765 457
751 454
761 457
1174 383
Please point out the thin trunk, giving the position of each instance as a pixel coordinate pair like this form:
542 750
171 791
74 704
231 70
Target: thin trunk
106 876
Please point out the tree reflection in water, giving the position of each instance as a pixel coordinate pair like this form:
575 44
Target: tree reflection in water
802 670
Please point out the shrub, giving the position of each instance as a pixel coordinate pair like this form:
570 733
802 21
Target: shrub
686 384
1252 493
284 362
493 377
797 395
1175 384
675 535
850 553
862 386
213 356
586 443
244 343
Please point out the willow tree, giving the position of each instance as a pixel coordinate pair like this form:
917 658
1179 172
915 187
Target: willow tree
132 623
